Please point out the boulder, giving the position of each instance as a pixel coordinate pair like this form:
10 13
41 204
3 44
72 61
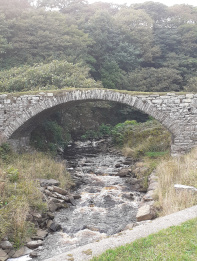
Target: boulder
48 182
3 255
42 233
52 206
33 254
149 196
145 213
60 190
124 173
21 252
34 244
54 227
6 245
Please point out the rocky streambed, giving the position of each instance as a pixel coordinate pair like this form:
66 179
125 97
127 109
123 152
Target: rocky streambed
107 198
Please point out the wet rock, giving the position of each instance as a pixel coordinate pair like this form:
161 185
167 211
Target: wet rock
54 227
19 252
77 196
34 244
124 173
117 165
72 201
50 215
48 182
3 255
6 245
145 213
33 254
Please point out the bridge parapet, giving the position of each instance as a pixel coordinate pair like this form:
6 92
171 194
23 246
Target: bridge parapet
19 115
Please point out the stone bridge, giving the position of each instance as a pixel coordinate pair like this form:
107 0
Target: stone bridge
20 114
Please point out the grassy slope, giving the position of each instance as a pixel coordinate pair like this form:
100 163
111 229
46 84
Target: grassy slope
175 243
20 191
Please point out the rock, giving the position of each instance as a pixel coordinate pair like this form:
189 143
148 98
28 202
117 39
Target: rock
49 193
117 165
76 196
11 252
34 244
153 186
54 227
50 215
60 190
37 216
148 196
6 245
57 195
3 255
56 200
33 254
133 181
124 173
145 213
180 187
21 252
52 206
129 226
72 201
49 223
42 233
48 182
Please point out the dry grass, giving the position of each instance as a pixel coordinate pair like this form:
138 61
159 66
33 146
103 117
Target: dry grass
181 170
20 190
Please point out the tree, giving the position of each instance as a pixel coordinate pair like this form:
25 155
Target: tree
43 36
151 79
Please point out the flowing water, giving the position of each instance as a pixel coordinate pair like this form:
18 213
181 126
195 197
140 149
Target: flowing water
107 203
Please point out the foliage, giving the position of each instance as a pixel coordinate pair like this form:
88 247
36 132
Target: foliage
174 243
20 191
146 46
54 75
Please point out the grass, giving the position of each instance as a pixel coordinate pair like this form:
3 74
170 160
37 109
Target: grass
180 170
176 243
19 190
69 89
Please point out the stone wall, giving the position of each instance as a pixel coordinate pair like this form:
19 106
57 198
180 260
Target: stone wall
177 112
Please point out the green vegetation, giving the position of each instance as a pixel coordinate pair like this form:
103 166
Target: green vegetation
174 243
19 190
142 47
53 75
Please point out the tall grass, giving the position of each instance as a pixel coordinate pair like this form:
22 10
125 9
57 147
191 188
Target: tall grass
20 190
181 170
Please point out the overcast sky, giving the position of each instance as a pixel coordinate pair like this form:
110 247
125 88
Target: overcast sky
166 2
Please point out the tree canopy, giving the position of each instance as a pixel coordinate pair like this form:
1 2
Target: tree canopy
146 46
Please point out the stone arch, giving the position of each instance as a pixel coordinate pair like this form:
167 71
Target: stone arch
53 101
178 113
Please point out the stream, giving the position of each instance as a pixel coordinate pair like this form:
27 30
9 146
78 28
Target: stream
106 204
